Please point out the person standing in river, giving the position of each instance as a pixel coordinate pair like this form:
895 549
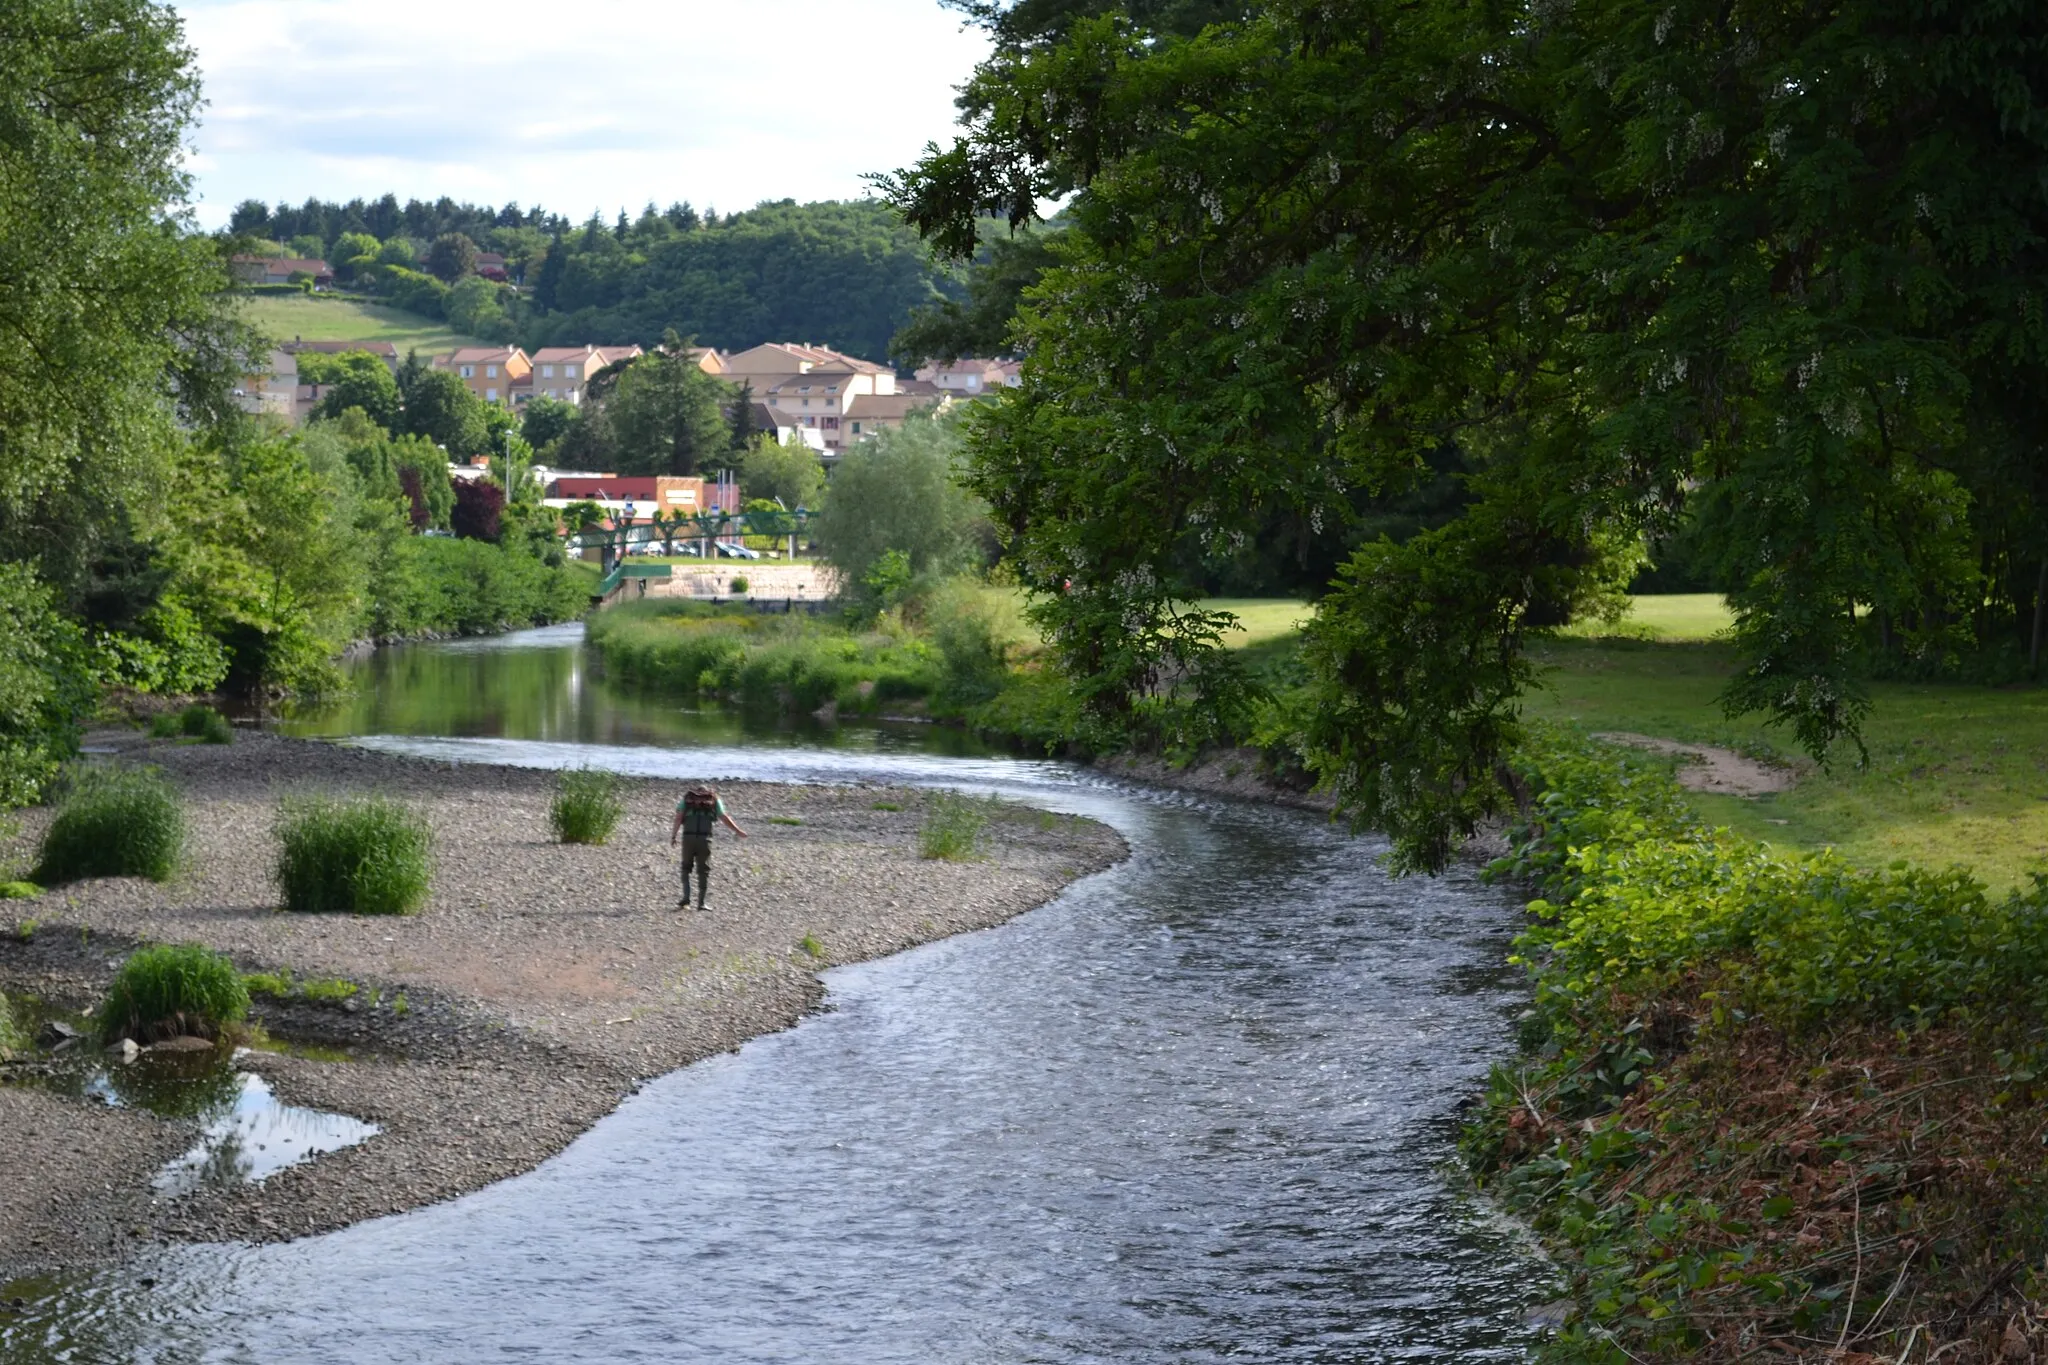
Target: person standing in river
698 815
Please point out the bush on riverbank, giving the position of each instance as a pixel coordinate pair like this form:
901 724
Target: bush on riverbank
197 721
586 806
1768 1101
114 822
170 991
367 857
471 587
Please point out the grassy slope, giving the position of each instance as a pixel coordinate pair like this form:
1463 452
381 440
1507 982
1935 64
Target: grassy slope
313 318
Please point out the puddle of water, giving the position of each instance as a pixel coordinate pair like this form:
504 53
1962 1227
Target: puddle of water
247 1133
256 1138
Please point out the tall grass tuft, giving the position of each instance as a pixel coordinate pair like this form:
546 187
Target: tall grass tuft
115 822
364 857
173 989
205 724
952 826
11 1039
587 806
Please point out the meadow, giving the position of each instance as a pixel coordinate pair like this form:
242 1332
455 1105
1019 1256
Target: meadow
309 317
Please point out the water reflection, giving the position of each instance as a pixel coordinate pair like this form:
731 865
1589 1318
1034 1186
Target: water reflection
254 1136
541 685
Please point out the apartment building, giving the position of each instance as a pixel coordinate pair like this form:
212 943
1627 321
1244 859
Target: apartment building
564 372
489 372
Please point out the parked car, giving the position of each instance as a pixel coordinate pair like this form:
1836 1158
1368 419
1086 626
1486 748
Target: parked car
737 551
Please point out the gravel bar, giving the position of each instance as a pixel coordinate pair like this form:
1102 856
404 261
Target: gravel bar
541 984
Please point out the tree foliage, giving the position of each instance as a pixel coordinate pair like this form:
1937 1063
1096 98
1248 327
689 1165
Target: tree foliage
1782 264
898 494
665 415
790 474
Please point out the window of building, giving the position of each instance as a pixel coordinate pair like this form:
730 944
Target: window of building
856 428
571 393
807 402
568 372
832 422
490 371
547 372
490 395
469 371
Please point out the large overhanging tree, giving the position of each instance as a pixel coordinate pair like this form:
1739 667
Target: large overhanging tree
1780 261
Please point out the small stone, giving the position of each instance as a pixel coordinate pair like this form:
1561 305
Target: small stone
1553 1314
55 1033
124 1051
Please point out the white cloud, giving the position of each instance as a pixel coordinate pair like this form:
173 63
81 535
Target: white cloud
599 105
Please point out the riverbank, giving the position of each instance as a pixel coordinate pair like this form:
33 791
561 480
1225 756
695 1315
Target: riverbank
539 986
1770 1106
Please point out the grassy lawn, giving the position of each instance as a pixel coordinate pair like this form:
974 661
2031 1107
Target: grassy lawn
325 318
1668 617
1956 774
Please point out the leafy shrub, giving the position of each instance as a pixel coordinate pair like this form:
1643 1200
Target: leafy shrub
368 856
587 806
952 826
172 990
165 725
739 585
1643 900
115 822
204 723
45 686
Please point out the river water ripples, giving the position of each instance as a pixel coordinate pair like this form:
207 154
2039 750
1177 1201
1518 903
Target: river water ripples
1198 1108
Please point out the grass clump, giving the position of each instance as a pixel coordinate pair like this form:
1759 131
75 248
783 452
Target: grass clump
887 805
812 948
587 806
19 891
334 988
171 990
277 984
784 820
197 721
115 822
952 827
11 1038
364 857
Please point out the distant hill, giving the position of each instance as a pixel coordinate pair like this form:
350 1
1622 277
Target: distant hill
842 274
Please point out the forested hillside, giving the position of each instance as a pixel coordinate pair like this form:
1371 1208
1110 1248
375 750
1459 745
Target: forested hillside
847 275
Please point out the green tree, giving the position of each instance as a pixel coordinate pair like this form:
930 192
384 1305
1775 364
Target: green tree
361 381
294 602
791 474
441 408
1764 261
353 251
666 415
544 421
397 251
900 492
1004 267
473 307
452 257
120 320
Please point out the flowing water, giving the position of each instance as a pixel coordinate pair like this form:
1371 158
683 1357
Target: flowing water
1199 1107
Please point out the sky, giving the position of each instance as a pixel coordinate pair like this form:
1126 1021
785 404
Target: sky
594 105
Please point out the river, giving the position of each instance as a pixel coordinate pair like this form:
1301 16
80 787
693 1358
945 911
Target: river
1200 1107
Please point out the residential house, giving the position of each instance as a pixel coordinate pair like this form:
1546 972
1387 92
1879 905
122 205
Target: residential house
489 372
971 377
491 265
564 372
272 389
870 413
280 270
811 389
660 495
